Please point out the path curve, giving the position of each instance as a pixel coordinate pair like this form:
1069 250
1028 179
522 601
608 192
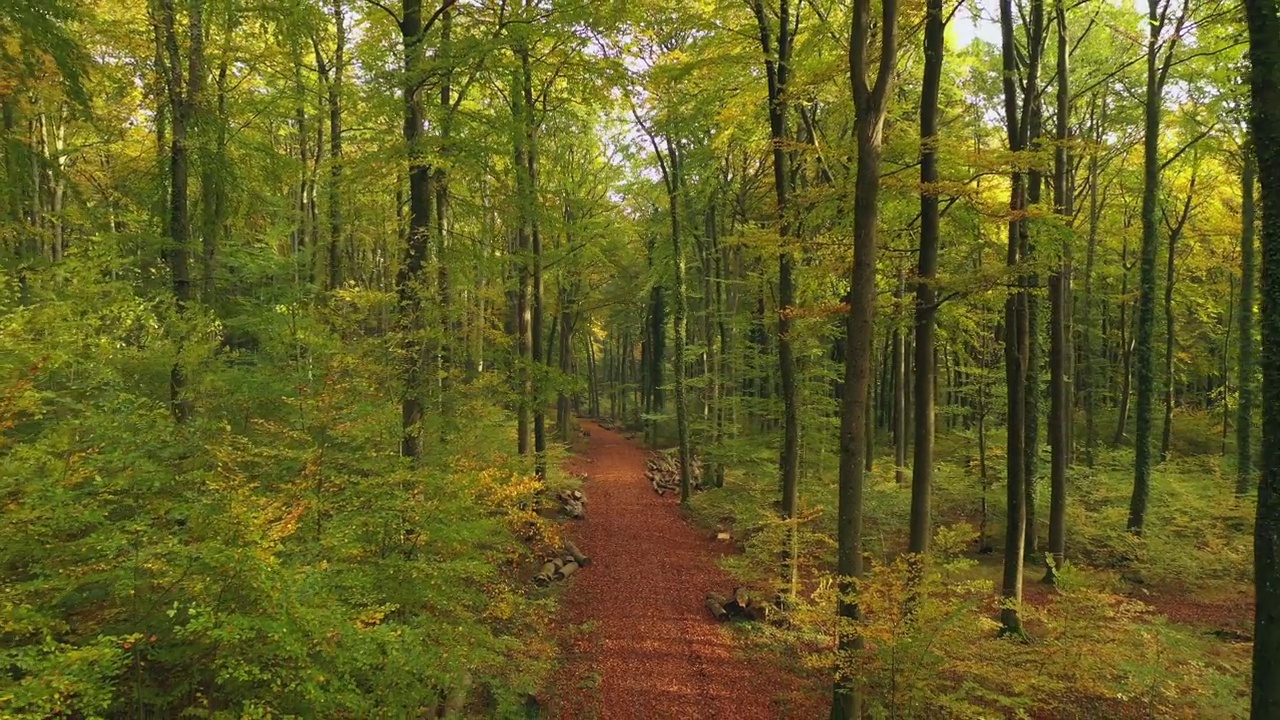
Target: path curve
648 649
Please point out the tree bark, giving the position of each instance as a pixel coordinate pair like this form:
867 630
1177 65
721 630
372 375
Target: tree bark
677 197
899 370
926 274
1175 232
1248 269
1088 369
870 104
1059 290
185 94
777 74
336 239
412 279
535 246
1157 72
1264 80
1016 324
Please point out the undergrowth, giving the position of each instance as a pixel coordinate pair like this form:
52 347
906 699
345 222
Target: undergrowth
275 556
1095 647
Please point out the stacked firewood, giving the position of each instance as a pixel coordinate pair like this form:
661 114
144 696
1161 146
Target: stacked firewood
739 606
572 503
569 561
663 473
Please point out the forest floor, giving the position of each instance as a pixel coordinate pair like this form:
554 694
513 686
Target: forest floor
643 644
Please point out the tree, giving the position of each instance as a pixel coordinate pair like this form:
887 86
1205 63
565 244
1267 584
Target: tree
926 310
184 91
1248 270
1159 57
871 95
412 279
1060 415
778 74
1019 117
1264 83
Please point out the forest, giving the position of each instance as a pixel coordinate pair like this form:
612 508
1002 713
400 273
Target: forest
955 323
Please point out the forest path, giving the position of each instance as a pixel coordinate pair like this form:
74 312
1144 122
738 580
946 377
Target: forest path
645 647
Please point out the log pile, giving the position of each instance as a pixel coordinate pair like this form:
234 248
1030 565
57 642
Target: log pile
663 473
572 503
562 566
739 606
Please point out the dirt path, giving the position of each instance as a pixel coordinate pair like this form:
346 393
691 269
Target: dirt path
648 649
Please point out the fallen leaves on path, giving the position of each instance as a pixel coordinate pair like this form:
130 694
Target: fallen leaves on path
644 646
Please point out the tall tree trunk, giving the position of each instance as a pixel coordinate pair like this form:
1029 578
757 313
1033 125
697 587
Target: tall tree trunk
1264 77
526 341
1226 363
899 361
336 239
1088 368
213 181
1059 289
870 105
1248 269
302 198
1157 72
184 92
675 186
1126 348
412 277
926 311
537 301
1017 328
1175 232
450 323
712 317
564 362
1031 418
777 74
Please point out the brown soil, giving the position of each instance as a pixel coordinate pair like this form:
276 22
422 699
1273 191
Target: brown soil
643 645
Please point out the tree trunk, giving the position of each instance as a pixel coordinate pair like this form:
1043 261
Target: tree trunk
1126 349
777 74
412 271
1175 232
870 101
1226 363
526 341
1244 411
1157 71
1059 290
1264 40
184 92
537 300
1088 368
213 183
675 185
1016 323
336 240
899 360
1035 188
926 311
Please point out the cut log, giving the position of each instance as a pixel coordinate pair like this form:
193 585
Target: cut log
578 557
715 604
545 575
568 569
